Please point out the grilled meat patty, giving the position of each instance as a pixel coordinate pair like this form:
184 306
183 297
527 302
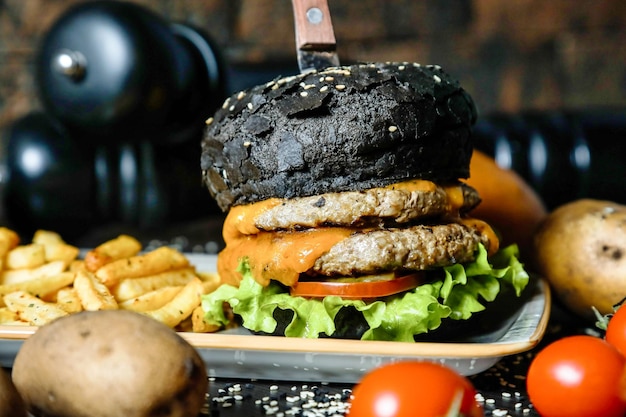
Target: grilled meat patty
376 206
414 248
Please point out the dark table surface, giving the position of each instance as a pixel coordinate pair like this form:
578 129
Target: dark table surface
501 388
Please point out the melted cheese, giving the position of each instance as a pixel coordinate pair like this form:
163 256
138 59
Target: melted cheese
241 219
484 229
413 185
454 194
281 256
284 255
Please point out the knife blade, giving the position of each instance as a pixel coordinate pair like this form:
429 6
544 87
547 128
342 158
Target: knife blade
315 38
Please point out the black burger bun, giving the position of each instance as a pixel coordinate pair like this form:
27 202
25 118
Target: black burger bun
340 129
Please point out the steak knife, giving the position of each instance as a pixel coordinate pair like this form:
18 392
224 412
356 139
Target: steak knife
315 38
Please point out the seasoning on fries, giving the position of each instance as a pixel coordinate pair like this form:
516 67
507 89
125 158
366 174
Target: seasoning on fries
31 309
39 287
67 298
181 306
151 300
12 276
25 257
133 288
93 294
45 279
159 260
123 246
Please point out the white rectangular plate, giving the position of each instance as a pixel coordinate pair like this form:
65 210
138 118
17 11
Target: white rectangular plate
239 354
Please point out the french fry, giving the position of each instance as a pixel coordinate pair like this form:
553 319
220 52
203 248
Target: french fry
199 325
25 256
76 265
61 252
47 237
210 281
40 287
181 306
55 247
67 298
134 287
93 294
32 309
184 326
159 260
151 300
8 240
13 276
8 316
46 279
121 247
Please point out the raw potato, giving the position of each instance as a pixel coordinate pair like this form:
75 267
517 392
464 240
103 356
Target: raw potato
581 250
11 403
110 363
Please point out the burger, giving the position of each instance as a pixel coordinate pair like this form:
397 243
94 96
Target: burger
347 215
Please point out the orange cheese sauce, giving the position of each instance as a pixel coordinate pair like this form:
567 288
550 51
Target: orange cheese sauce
241 219
455 197
281 256
413 185
485 230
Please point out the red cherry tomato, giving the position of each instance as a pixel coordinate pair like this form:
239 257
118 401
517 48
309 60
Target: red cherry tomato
409 389
357 290
578 376
616 330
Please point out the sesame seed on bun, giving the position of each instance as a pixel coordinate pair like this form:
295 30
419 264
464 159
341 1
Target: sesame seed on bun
342 128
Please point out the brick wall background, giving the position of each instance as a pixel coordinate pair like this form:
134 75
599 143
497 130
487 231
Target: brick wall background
510 55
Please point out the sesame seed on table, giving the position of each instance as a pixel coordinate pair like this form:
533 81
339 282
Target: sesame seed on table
501 389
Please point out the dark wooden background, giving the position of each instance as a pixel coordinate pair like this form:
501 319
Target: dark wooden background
510 55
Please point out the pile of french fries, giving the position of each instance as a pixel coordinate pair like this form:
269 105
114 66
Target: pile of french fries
47 279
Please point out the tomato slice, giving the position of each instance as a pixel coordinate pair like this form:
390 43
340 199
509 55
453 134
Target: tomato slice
357 290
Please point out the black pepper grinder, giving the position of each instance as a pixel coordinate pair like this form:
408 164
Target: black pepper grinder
125 96
564 155
115 71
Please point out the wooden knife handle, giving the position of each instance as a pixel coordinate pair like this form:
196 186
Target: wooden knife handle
314 28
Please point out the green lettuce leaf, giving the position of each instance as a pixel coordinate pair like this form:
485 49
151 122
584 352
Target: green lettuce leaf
461 291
